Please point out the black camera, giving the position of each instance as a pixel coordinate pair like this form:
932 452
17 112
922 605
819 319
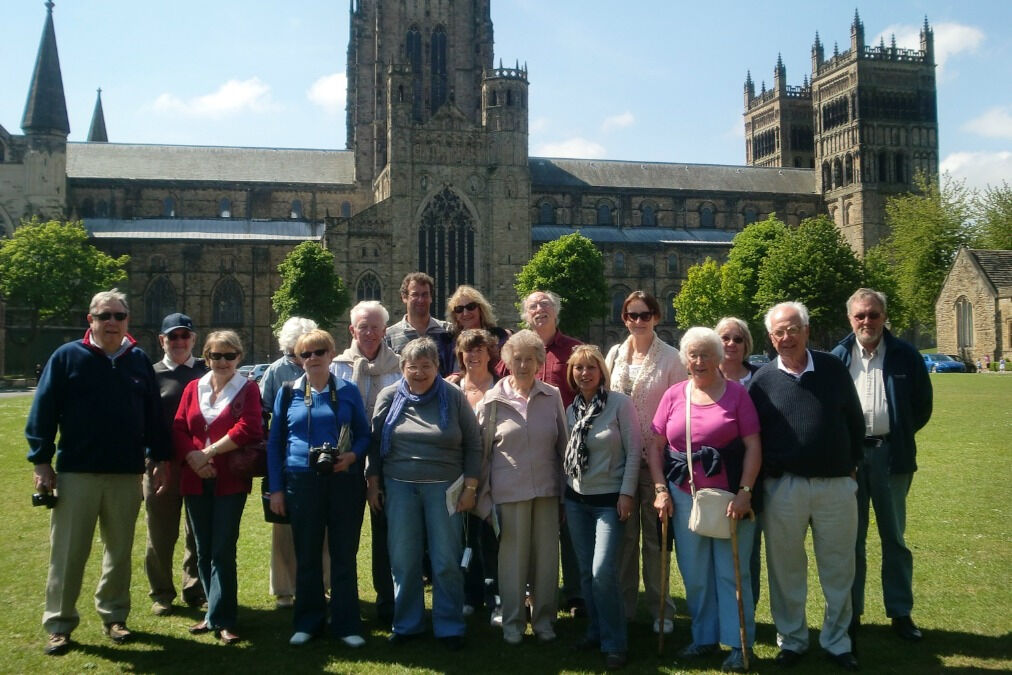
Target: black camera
44 498
322 458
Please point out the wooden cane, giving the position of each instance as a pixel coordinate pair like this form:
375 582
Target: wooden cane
737 588
665 572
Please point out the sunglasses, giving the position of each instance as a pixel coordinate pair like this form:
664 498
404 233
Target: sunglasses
315 352
470 307
178 335
228 356
105 316
639 316
737 339
871 316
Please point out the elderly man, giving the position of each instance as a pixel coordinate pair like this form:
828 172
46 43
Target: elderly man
100 396
416 294
812 437
896 398
176 369
372 365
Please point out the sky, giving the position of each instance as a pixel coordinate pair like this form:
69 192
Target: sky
650 80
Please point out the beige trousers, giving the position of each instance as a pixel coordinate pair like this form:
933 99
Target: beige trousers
529 554
644 520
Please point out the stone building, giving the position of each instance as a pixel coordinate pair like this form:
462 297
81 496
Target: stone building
973 313
436 176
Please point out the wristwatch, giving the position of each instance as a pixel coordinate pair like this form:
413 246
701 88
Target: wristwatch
745 488
660 489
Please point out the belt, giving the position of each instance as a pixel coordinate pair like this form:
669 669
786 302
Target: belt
875 441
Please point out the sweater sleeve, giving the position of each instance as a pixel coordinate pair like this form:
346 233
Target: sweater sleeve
632 442
183 441
40 430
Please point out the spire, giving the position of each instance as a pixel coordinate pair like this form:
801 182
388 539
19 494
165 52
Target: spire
96 134
857 34
857 20
46 108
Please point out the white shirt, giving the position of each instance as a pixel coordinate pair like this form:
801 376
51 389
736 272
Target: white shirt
809 368
209 410
866 371
172 365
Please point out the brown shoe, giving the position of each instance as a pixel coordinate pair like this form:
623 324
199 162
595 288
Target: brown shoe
198 628
228 637
57 644
118 632
161 608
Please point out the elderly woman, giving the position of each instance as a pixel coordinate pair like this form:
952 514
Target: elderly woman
316 452
643 367
217 414
372 365
737 341
602 473
526 422
468 309
425 443
726 455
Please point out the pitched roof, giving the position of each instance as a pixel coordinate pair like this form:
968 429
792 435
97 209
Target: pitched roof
210 163
46 107
602 234
546 171
221 230
997 267
97 134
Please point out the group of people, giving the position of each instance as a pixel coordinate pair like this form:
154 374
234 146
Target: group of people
486 457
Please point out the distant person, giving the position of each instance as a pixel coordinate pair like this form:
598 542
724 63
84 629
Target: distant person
896 398
100 397
416 294
1001 365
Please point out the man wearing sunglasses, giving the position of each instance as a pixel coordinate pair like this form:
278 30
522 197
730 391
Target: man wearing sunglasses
99 395
896 397
176 369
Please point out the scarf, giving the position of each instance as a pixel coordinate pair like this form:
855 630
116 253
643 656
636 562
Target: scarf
403 396
620 380
577 455
366 374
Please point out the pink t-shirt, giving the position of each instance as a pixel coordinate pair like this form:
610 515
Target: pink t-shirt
716 425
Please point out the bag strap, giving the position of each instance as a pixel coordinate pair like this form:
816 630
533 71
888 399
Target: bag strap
688 434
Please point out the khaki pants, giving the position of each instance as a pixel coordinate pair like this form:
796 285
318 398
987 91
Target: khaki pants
162 513
113 501
528 554
644 520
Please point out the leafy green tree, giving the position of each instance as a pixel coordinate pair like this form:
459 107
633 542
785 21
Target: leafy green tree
814 265
880 275
310 287
749 251
994 218
49 269
700 302
574 268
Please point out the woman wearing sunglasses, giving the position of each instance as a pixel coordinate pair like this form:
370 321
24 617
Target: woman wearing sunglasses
315 458
467 308
643 367
737 339
217 414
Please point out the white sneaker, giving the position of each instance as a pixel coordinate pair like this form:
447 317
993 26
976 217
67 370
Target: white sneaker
284 602
298 639
669 626
468 610
354 641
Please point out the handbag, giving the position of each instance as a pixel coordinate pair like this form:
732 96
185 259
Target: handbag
265 500
250 460
708 517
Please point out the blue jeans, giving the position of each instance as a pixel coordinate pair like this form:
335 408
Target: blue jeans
416 511
330 504
597 535
215 524
707 568
887 493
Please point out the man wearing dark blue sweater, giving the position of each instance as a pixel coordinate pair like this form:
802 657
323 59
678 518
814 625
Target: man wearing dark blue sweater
100 396
896 398
812 434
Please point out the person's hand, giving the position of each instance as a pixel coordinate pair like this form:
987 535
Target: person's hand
45 477
664 505
278 503
207 471
740 506
197 459
161 473
344 461
625 507
375 496
468 496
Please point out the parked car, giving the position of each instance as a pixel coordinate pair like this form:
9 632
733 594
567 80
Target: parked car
245 370
943 363
758 359
258 371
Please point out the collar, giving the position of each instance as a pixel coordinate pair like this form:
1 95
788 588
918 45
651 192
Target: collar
172 365
127 344
809 368
300 384
433 323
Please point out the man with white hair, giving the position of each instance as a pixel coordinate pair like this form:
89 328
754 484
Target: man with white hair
285 369
812 436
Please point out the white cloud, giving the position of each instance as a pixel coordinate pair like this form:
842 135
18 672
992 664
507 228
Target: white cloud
538 124
620 121
572 148
979 169
232 97
950 39
995 122
329 92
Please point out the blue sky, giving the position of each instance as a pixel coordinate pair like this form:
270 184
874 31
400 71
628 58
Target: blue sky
653 80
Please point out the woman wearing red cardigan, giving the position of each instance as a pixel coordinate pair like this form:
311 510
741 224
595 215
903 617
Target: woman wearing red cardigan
217 414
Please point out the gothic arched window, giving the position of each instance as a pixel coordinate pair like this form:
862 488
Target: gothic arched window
546 213
672 265
413 49
604 213
883 167
296 211
446 244
899 175
225 208
618 262
669 308
618 297
751 215
169 207
159 301
368 288
438 58
964 323
346 209
226 303
648 215
848 170
706 215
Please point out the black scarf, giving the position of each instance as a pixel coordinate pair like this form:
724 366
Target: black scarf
577 455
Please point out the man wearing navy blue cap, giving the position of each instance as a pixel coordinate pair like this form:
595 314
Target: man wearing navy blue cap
176 369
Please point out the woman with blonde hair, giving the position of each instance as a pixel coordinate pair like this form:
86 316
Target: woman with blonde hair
468 309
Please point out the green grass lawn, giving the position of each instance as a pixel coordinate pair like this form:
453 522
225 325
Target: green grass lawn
958 529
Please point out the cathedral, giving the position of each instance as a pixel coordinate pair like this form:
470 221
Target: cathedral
436 176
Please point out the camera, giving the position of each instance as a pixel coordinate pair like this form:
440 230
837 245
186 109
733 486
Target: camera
44 498
322 458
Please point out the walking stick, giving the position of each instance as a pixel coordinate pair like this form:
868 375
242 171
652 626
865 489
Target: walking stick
665 573
737 588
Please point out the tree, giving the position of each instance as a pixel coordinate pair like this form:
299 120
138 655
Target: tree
814 265
700 302
309 287
880 275
574 268
994 218
749 251
49 269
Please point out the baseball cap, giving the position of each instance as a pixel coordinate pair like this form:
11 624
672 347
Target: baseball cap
176 320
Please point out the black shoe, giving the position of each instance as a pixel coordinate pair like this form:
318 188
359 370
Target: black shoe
787 658
402 638
905 627
846 660
453 643
615 660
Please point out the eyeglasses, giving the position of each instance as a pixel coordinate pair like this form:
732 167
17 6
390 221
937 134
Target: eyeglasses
871 316
469 307
315 352
105 316
228 356
639 316
781 333
535 304
178 335
737 339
